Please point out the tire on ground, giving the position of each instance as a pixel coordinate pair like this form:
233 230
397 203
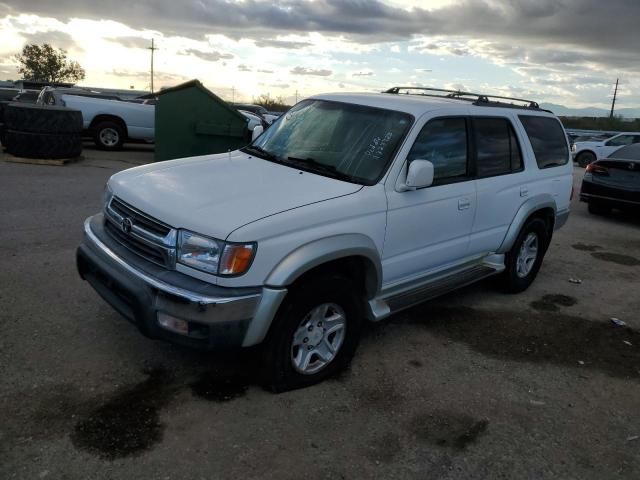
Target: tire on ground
108 135
43 145
42 119
514 282
277 370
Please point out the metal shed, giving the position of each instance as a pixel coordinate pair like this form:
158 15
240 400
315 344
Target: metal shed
191 120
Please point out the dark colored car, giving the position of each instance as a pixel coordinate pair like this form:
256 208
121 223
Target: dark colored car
613 182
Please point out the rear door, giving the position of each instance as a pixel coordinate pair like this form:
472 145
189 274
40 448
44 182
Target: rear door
500 181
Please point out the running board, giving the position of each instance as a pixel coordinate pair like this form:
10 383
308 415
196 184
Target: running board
389 303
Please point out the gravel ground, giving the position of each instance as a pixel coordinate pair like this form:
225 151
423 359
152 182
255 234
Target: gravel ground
477 384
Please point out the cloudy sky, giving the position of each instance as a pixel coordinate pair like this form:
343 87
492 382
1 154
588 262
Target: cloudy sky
562 51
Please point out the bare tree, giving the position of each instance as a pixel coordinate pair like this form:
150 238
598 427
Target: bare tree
277 104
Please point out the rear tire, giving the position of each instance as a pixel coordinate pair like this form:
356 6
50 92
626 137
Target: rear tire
585 158
314 335
524 259
108 135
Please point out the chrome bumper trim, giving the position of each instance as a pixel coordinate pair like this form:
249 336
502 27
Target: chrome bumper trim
160 285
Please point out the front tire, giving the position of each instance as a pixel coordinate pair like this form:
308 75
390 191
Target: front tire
314 335
108 136
524 259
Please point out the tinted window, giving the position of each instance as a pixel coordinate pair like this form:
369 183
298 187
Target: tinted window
547 140
497 148
443 142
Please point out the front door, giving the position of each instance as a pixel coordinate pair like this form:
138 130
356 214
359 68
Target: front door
429 228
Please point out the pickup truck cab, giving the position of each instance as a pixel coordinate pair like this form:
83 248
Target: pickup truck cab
349 207
109 120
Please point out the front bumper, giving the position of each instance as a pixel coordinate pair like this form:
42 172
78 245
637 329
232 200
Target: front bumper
216 317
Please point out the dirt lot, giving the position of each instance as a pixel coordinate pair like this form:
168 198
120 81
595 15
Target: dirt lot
478 384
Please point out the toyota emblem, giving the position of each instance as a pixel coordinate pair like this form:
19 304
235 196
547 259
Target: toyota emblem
126 225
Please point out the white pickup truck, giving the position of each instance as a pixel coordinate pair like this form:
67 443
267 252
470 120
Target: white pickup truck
109 121
588 152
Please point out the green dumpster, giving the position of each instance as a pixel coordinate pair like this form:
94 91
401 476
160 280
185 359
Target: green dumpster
191 121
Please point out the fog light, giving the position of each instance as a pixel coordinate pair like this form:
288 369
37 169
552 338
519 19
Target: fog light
173 324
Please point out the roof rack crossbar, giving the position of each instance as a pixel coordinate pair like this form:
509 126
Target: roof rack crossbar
477 98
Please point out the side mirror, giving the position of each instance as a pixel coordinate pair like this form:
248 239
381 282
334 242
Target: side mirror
257 131
420 175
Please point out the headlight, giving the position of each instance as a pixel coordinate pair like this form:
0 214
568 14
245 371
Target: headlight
199 252
214 256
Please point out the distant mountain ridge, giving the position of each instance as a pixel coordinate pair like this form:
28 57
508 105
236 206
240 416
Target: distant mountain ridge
563 111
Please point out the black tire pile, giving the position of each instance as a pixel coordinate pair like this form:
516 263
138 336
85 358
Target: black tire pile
37 131
3 106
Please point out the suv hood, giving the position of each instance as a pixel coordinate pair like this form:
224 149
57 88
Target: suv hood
216 194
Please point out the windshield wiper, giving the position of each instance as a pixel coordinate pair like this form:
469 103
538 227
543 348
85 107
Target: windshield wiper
261 152
314 165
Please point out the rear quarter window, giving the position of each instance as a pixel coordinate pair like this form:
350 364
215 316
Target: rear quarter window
547 140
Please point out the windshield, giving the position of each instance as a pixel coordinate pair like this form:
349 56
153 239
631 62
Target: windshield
346 141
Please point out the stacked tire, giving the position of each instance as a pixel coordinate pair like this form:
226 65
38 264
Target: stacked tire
3 106
42 131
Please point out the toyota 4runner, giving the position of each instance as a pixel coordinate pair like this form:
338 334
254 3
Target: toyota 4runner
350 207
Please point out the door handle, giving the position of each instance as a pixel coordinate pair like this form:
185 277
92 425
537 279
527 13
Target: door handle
524 191
463 204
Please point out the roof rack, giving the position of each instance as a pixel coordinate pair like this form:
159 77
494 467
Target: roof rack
476 98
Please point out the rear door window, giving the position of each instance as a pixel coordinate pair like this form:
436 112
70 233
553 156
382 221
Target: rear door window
497 148
547 140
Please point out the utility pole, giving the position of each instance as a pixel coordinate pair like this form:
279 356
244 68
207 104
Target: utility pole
296 96
233 94
613 104
153 49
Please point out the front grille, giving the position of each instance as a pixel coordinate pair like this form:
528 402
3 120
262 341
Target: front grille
140 233
150 252
138 218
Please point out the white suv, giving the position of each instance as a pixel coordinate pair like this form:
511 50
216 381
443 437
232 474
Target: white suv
350 207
